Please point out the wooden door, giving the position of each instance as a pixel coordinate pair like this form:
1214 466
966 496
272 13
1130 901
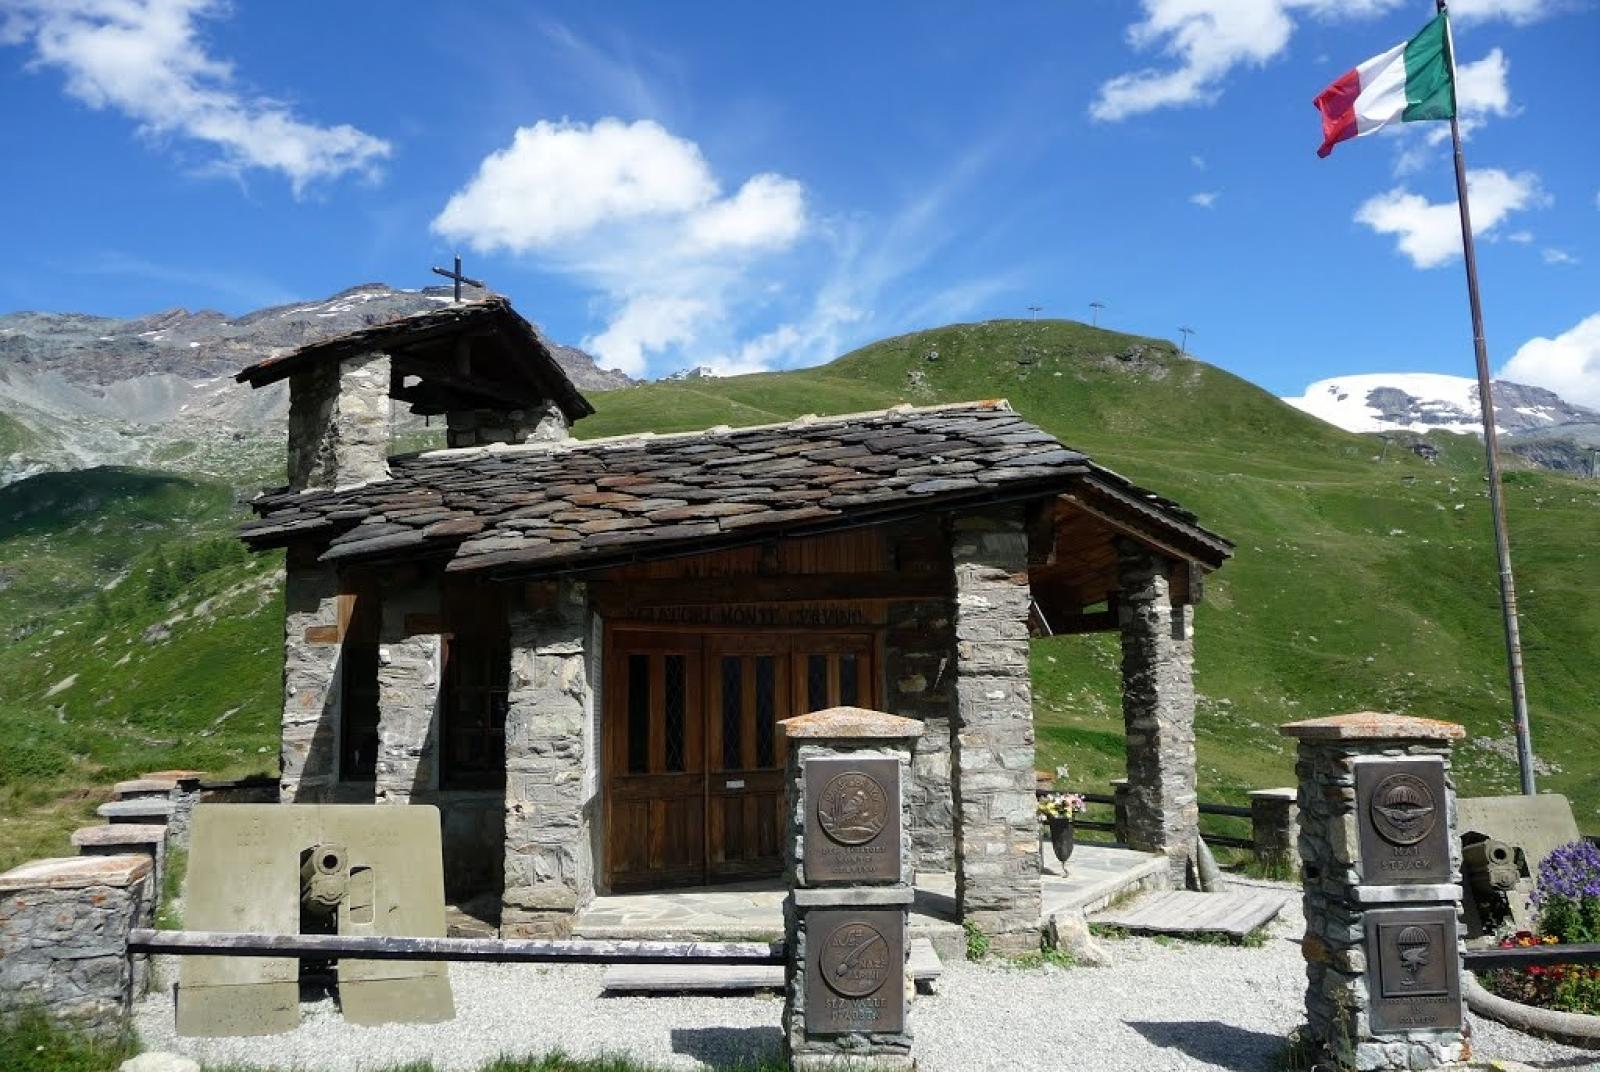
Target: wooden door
748 692
655 759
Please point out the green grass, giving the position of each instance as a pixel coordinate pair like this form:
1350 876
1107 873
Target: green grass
169 910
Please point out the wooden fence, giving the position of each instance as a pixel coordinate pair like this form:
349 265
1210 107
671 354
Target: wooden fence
1230 811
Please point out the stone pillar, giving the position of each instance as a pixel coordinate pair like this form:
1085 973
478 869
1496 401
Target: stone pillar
1381 866
408 696
1275 828
64 939
1119 810
848 859
481 427
919 649
309 753
339 424
548 871
1157 709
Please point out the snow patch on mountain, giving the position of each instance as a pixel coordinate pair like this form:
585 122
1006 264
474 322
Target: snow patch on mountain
1427 402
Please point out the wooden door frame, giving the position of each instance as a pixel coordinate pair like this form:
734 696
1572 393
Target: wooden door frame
665 637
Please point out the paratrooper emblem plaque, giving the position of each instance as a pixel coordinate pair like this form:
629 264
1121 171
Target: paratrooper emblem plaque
1413 969
1401 805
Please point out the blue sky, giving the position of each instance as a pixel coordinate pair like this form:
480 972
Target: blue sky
769 185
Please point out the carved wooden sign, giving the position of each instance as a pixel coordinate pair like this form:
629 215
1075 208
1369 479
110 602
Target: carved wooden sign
852 820
821 615
855 971
1405 833
1413 969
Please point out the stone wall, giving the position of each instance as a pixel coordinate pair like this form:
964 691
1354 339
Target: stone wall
1158 709
339 424
481 427
309 752
548 867
408 697
919 675
64 939
997 828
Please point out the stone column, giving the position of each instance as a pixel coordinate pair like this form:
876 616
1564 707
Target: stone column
997 826
339 424
309 754
481 427
1381 871
64 939
1275 828
1119 809
408 696
919 649
848 858
548 872
1157 709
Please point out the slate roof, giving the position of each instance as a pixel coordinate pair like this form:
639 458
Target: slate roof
553 508
426 335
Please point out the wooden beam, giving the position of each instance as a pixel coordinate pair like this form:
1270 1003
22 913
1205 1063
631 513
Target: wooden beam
800 587
1100 621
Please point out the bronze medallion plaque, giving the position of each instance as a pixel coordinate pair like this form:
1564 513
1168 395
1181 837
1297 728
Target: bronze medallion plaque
1400 805
855 971
1413 969
852 820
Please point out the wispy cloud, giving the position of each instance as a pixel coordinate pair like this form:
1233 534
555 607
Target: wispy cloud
1429 232
145 59
1205 198
1552 255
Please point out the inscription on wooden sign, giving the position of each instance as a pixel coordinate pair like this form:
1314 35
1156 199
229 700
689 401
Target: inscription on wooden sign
852 820
855 971
1405 836
767 615
1413 969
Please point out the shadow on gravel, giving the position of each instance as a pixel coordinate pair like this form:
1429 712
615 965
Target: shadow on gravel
1216 1043
722 1047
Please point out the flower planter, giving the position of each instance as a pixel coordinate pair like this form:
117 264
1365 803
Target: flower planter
1061 837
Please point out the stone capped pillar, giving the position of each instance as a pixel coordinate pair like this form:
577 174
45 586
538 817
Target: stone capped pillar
309 753
1275 828
409 695
1163 803
1381 870
848 858
64 939
339 424
548 870
992 764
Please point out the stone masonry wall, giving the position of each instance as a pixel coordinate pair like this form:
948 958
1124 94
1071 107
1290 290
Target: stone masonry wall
1158 710
408 698
309 752
548 870
339 424
997 832
64 936
919 674
1334 946
481 427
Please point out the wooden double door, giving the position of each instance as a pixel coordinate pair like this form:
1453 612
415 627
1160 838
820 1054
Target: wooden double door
694 762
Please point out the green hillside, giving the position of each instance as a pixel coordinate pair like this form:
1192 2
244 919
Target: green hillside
1357 584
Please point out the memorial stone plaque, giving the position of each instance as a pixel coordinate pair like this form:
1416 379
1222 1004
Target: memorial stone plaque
1413 969
1405 835
852 820
1537 825
855 971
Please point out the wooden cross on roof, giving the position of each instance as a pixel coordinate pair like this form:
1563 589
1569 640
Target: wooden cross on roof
458 277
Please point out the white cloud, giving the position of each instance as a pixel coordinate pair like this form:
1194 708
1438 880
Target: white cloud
1429 233
1198 161
636 213
1568 364
1205 198
1207 39
1483 90
1552 255
144 58
1521 238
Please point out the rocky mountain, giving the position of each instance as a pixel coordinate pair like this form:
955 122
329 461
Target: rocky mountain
1533 422
78 390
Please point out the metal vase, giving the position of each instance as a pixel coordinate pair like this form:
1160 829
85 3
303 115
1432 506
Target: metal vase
1061 837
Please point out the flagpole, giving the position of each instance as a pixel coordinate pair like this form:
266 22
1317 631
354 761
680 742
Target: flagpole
1491 442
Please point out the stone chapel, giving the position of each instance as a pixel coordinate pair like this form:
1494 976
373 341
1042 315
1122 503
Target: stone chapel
579 649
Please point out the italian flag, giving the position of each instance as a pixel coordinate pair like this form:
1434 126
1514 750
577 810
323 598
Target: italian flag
1408 83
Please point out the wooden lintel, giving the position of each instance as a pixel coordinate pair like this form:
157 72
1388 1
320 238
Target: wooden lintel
1131 531
810 588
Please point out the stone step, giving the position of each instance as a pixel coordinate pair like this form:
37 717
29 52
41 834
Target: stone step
143 788
145 810
712 978
117 838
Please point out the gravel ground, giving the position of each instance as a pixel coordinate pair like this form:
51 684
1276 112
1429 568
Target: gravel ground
1177 1005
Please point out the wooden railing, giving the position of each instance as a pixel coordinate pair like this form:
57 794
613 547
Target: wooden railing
1230 811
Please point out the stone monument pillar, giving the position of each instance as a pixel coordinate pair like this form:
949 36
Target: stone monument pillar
849 866
1382 868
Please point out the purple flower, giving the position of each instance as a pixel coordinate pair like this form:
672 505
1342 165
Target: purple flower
1571 872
